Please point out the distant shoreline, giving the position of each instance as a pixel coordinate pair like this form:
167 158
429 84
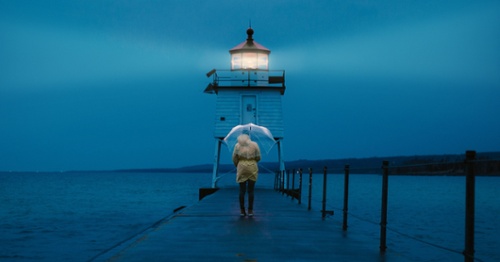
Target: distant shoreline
488 164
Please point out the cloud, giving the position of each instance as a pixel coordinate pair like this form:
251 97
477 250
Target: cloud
451 48
37 55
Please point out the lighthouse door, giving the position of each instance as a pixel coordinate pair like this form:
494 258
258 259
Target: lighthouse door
249 109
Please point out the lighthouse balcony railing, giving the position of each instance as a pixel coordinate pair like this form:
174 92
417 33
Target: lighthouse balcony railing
241 78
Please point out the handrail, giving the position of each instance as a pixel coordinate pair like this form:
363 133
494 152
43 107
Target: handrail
253 77
469 167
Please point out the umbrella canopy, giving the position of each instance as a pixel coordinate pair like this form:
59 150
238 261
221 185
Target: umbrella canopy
259 134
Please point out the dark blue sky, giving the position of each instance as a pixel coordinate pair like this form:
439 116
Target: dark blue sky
119 84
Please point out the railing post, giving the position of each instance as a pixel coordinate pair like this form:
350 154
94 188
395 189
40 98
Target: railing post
323 209
324 212
346 196
383 216
282 182
310 188
293 184
278 182
287 180
470 184
300 186
275 181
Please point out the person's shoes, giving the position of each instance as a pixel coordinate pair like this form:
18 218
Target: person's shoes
242 213
250 212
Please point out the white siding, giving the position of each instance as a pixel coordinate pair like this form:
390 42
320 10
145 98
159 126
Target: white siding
270 113
228 111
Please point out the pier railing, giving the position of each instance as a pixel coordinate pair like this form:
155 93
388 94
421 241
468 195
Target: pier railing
285 183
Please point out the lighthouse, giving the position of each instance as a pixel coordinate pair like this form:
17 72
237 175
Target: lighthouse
247 93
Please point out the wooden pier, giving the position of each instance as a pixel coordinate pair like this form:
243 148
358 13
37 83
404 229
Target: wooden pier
281 230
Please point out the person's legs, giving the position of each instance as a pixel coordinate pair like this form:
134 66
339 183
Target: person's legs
243 189
251 188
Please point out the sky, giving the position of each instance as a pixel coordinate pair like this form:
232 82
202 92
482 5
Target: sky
91 85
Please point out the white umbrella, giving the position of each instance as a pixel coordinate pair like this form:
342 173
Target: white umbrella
259 134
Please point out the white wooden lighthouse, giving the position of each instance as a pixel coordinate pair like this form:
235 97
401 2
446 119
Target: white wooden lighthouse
248 93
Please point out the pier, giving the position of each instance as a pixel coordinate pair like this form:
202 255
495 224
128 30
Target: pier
281 230
285 228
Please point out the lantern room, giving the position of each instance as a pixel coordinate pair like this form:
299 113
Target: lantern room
249 55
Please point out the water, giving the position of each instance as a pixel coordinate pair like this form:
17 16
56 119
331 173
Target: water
425 213
75 216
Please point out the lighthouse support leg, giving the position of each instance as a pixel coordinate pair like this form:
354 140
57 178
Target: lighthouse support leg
215 174
280 156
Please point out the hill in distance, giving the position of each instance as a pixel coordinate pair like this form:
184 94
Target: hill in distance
487 163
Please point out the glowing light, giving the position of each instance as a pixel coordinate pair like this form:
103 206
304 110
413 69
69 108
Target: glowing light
249 60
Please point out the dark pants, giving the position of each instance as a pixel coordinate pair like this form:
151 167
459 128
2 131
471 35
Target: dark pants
243 190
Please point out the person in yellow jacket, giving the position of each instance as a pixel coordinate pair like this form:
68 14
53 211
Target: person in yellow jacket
246 154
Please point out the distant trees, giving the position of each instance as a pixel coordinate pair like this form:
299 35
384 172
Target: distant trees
486 164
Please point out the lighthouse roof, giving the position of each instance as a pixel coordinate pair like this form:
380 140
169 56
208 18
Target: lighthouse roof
249 45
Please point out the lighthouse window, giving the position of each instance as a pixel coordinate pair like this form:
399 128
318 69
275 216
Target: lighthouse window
249 61
236 61
262 61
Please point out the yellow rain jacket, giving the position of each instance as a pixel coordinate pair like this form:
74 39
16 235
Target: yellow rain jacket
246 154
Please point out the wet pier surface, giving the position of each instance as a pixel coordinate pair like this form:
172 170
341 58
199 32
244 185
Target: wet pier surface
281 230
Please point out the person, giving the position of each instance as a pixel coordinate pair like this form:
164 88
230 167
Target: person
246 154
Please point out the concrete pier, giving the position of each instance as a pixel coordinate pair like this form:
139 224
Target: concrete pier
281 230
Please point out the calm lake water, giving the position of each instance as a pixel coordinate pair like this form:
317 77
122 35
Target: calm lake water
425 213
76 216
